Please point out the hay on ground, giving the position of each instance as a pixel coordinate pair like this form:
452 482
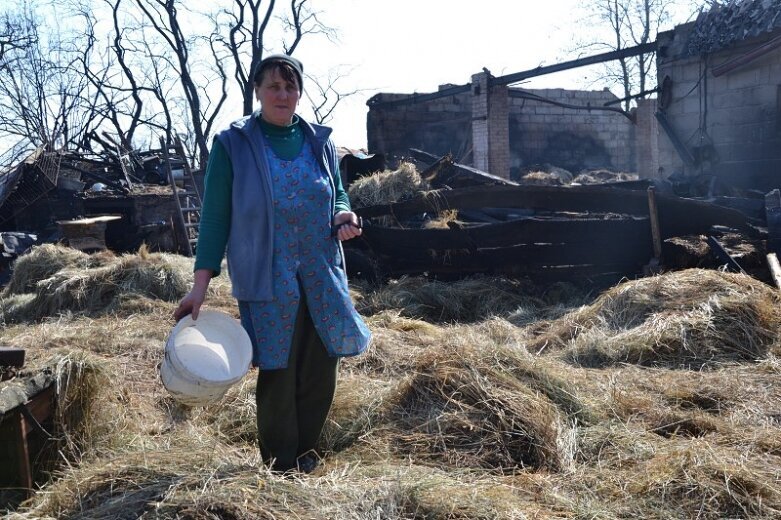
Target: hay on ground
466 300
465 409
42 262
682 319
85 287
542 179
701 480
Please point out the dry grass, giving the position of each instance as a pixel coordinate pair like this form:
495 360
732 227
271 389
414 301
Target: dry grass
474 409
603 176
479 399
387 187
541 179
465 300
689 318
44 261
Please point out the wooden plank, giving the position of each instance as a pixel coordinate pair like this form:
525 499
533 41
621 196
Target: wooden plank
775 268
506 234
654 218
603 251
22 452
454 175
773 216
12 357
612 272
723 256
41 407
676 216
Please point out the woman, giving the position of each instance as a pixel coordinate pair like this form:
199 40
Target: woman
274 196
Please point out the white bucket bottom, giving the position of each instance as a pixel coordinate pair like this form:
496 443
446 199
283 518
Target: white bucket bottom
204 358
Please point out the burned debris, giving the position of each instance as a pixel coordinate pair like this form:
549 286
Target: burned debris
113 200
546 232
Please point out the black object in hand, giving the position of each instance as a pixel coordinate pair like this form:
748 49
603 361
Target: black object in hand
335 229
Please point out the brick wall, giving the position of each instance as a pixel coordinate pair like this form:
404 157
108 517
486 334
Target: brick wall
536 132
440 126
730 121
490 126
572 139
647 139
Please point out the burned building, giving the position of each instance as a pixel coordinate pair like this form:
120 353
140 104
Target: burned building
572 129
52 188
720 99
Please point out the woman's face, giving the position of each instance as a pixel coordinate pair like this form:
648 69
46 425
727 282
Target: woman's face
278 98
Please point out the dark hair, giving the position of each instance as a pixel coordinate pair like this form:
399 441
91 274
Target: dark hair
285 70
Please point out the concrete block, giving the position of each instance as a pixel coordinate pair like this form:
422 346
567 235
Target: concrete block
691 105
742 78
726 99
684 88
689 71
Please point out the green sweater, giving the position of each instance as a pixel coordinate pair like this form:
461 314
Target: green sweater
286 142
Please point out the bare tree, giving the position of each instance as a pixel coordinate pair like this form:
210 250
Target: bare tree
628 23
164 17
17 32
134 69
247 26
326 94
41 95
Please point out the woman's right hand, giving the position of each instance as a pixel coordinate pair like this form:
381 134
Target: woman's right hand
191 303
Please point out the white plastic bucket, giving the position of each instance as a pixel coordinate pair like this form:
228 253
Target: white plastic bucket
204 357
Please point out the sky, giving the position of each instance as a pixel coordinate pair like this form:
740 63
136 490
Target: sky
406 46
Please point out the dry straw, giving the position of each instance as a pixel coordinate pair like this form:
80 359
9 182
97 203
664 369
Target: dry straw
466 406
387 187
683 319
62 280
465 300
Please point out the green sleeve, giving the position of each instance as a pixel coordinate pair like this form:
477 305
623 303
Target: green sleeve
342 200
216 210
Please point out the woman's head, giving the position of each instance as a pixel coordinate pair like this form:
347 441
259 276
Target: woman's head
278 81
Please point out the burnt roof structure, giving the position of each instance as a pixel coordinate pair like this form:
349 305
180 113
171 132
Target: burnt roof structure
732 22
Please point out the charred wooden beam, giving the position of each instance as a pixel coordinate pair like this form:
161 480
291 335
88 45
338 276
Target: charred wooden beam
11 357
676 216
634 251
445 172
644 48
723 256
424 157
514 232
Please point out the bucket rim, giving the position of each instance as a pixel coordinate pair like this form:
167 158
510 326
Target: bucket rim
235 325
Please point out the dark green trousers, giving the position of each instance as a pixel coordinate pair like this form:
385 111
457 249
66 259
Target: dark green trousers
293 402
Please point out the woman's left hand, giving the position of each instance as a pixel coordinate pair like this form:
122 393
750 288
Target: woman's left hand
346 225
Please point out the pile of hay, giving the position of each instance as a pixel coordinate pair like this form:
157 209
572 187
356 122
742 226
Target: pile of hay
480 409
683 319
45 260
387 187
603 176
470 404
51 280
541 179
466 300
